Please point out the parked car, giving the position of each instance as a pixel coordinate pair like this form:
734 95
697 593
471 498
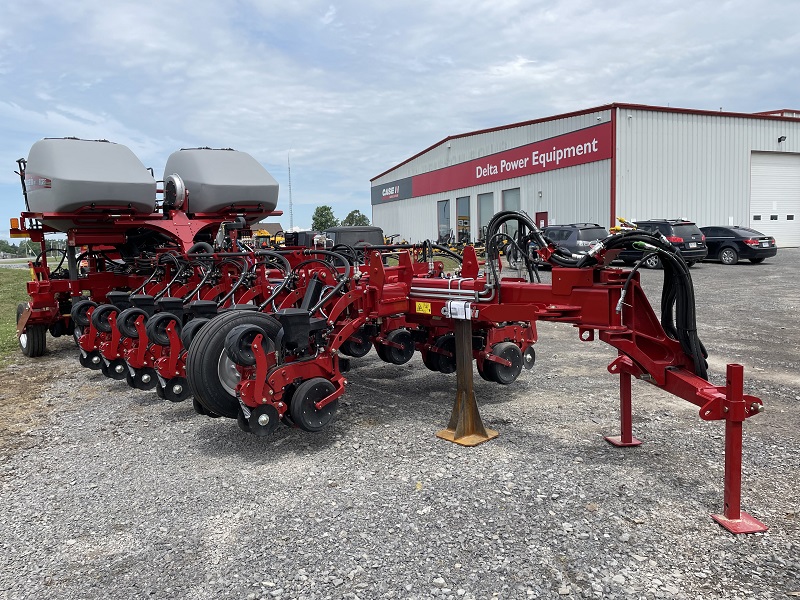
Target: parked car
729 244
578 238
684 235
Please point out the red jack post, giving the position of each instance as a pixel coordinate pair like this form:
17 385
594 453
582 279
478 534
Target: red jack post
626 421
734 407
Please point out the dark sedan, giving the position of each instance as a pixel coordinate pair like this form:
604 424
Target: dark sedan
729 244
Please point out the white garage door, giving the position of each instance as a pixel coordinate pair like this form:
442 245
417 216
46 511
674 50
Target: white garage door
775 196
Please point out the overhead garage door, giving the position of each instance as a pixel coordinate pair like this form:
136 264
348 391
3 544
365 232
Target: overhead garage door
775 196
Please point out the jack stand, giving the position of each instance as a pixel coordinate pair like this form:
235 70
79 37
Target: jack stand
465 427
626 421
733 518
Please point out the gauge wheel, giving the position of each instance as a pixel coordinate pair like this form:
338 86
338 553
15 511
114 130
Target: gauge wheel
211 375
79 310
303 410
652 262
126 322
92 360
176 389
446 343
430 360
101 315
157 328
397 356
33 339
728 256
239 344
190 330
503 374
145 378
357 345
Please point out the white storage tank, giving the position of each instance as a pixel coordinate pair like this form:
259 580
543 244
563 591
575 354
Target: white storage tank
223 180
66 175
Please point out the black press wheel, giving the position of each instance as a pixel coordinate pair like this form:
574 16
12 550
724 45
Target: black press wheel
303 410
92 360
211 375
395 355
157 327
145 378
33 339
728 256
357 345
126 322
176 389
446 360
503 374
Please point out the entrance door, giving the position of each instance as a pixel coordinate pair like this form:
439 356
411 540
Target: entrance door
541 219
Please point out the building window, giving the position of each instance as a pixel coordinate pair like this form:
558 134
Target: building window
511 201
790 217
462 220
773 217
485 212
443 219
756 217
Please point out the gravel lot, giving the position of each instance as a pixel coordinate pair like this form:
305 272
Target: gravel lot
112 493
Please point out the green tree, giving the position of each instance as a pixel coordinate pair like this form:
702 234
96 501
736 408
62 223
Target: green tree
323 218
355 217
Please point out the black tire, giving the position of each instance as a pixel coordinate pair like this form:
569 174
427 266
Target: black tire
502 374
117 369
239 344
207 357
190 330
757 261
728 256
126 322
78 312
691 263
145 378
304 414
652 262
157 328
430 360
357 345
176 390
33 339
100 317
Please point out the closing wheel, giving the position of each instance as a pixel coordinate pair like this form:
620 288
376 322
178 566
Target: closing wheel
211 375
33 339
145 378
79 310
357 345
431 360
652 262
239 344
129 379
264 420
446 362
393 354
303 410
190 330
126 322
157 328
728 256
100 317
529 358
500 373
92 360
176 390
116 369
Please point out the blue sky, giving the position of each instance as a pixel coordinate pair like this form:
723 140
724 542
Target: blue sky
349 89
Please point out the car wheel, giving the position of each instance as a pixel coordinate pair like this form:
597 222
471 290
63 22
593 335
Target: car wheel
757 261
728 256
691 263
652 262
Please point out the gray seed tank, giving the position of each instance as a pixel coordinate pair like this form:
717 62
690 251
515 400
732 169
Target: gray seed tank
223 180
68 175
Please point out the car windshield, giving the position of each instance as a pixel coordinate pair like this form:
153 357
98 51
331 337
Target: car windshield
687 231
746 231
595 233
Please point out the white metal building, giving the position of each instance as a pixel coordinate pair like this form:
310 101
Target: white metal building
632 161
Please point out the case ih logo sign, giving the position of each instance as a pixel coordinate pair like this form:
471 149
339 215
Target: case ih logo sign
569 150
396 190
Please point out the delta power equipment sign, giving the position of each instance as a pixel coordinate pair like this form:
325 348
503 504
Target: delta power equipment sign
568 150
